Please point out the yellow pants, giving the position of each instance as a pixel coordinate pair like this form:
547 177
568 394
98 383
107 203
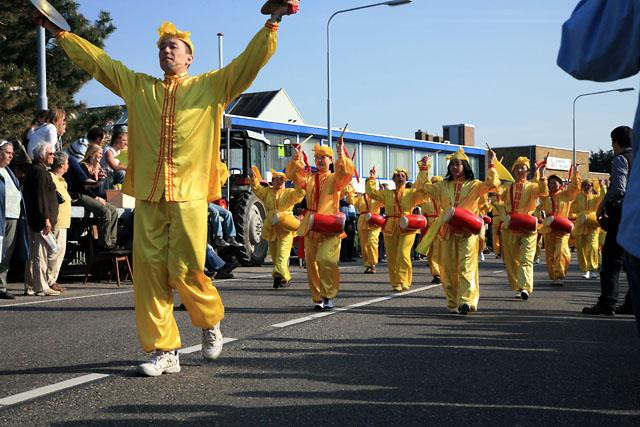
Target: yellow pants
540 241
588 250
322 257
518 251
557 254
434 257
369 237
280 251
460 270
496 236
398 247
169 247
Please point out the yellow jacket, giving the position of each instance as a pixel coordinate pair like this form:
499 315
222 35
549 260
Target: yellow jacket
364 204
583 205
407 198
559 203
280 201
331 186
525 195
174 125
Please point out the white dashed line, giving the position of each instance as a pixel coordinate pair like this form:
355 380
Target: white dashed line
48 389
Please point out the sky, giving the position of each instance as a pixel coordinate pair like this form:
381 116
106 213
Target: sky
395 70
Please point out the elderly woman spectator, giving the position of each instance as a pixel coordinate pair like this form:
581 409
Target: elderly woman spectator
50 131
41 202
110 163
12 218
59 167
84 180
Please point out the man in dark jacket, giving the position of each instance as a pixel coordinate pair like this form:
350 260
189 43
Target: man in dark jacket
41 201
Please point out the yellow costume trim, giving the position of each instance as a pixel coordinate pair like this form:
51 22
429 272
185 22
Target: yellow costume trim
322 150
458 155
275 174
521 161
401 170
168 29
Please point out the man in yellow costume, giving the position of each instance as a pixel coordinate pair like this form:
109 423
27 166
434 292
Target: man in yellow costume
431 209
556 242
369 234
173 169
323 191
280 226
587 229
459 248
519 247
398 242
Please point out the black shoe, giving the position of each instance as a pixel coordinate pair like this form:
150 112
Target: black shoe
219 242
223 274
464 309
233 242
6 295
624 309
597 310
285 284
277 282
436 280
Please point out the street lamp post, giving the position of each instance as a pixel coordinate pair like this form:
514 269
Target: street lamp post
384 3
624 89
41 101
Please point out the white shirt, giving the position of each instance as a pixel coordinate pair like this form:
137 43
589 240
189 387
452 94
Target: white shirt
104 163
45 133
12 196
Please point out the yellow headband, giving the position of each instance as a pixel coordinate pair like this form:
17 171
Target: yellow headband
458 155
275 174
521 161
168 29
403 170
436 178
322 150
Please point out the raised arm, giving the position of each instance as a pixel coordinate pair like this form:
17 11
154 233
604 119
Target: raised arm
296 170
371 187
344 169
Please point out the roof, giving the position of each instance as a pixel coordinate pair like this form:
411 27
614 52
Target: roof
251 104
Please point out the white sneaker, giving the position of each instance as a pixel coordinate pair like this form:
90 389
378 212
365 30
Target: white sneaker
586 275
536 261
594 275
481 256
518 295
47 293
212 342
524 295
161 362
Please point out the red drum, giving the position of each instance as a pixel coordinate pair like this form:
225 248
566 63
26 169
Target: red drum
412 222
327 223
463 219
487 219
558 223
521 222
375 219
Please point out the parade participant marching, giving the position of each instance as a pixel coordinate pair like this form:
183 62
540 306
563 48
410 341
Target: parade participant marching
518 238
173 170
587 229
459 247
280 226
322 224
368 230
556 238
398 241
432 210
497 212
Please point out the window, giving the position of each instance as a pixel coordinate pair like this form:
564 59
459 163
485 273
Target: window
374 155
401 158
442 164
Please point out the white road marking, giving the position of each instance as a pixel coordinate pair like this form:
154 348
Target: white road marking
41 391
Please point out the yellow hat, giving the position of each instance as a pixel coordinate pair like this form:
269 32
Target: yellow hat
403 170
168 29
521 161
275 174
322 150
436 178
458 155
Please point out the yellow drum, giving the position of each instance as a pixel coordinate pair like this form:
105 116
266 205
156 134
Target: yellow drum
589 220
286 221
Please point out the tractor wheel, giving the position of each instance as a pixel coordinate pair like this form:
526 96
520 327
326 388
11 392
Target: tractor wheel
248 215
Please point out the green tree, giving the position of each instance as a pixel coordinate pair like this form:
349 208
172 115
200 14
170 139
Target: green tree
18 62
600 161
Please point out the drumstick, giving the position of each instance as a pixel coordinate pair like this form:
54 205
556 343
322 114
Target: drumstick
306 139
344 129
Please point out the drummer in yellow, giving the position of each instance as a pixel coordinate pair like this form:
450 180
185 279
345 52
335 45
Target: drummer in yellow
173 170
459 248
369 234
398 242
497 208
556 243
432 210
280 226
323 190
587 229
519 247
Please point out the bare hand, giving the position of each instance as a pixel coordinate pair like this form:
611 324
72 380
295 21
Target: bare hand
101 200
340 147
492 157
47 227
373 172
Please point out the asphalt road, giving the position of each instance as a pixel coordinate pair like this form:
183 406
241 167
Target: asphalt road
379 359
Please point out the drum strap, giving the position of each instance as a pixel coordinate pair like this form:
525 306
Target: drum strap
553 204
317 190
395 195
515 201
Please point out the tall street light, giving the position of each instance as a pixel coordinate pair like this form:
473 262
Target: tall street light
624 89
384 3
